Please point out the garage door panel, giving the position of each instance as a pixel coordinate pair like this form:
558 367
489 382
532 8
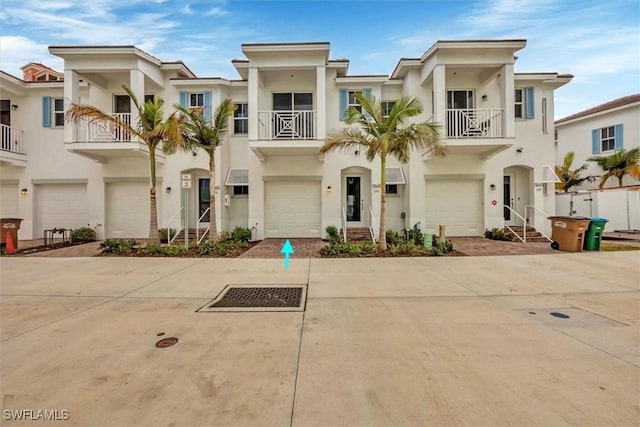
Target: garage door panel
293 209
61 206
457 204
128 210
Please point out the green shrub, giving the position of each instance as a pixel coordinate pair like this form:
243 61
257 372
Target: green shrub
351 248
117 246
333 233
241 234
442 248
153 249
393 237
497 234
415 235
405 248
164 234
174 250
83 234
220 248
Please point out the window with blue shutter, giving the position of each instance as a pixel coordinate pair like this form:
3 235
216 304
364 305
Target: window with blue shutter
207 106
617 136
595 141
530 102
184 99
342 108
46 111
367 93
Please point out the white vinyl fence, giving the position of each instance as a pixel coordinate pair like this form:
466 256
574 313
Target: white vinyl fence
620 206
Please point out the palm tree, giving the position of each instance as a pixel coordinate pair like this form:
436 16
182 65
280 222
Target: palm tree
200 133
571 178
151 128
621 163
380 135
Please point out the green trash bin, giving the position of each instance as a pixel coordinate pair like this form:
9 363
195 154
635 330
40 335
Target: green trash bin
428 240
593 236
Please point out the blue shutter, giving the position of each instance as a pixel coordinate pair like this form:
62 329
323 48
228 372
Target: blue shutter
366 92
595 141
343 104
530 101
617 135
207 106
46 111
184 99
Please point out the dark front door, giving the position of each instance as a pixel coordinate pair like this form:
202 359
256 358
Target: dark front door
5 119
507 197
353 199
203 199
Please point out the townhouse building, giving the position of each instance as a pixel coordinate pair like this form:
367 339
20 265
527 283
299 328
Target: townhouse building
270 177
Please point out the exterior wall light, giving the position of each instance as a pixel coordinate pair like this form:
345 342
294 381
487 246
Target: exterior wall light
492 187
484 97
168 190
24 191
14 107
329 189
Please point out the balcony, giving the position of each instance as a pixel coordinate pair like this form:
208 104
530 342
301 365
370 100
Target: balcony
476 131
12 146
286 133
101 141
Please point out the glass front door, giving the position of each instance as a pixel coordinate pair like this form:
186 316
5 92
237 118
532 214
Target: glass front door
354 211
203 199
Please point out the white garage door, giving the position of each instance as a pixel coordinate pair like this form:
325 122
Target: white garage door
128 210
9 201
61 206
457 204
293 209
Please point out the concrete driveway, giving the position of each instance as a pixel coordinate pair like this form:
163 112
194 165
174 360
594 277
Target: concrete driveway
402 342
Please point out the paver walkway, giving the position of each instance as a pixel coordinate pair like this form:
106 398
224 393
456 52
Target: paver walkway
270 248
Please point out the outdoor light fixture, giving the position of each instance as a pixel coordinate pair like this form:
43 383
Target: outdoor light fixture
14 106
484 97
329 189
168 190
519 149
24 191
492 187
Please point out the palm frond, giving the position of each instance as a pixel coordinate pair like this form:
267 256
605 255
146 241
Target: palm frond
348 139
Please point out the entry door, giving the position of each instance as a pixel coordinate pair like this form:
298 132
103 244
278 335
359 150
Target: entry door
122 105
5 119
458 102
509 199
293 118
203 199
354 200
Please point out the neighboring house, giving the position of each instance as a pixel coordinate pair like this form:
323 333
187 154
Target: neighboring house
600 131
36 72
270 176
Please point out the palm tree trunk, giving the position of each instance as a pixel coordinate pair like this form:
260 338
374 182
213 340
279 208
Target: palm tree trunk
213 230
382 239
154 236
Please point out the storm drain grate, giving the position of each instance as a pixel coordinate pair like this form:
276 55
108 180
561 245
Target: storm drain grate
259 298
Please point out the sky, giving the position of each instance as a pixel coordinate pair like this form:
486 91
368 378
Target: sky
596 41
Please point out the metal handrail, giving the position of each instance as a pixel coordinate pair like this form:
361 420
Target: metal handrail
198 238
524 222
534 227
169 239
372 224
344 223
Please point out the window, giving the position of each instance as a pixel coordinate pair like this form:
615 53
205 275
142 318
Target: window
149 98
196 100
387 106
544 115
607 139
524 103
240 190
391 188
352 101
519 104
241 119
58 112
41 78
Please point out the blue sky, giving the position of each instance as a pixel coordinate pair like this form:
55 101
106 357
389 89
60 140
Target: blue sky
596 41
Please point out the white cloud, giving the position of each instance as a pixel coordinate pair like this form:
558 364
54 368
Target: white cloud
16 51
216 11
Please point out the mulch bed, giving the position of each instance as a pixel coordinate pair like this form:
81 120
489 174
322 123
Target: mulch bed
43 248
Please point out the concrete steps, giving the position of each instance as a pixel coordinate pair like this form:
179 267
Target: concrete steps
357 234
533 236
192 236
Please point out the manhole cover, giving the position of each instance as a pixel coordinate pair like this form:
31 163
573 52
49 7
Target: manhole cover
559 315
259 298
167 342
